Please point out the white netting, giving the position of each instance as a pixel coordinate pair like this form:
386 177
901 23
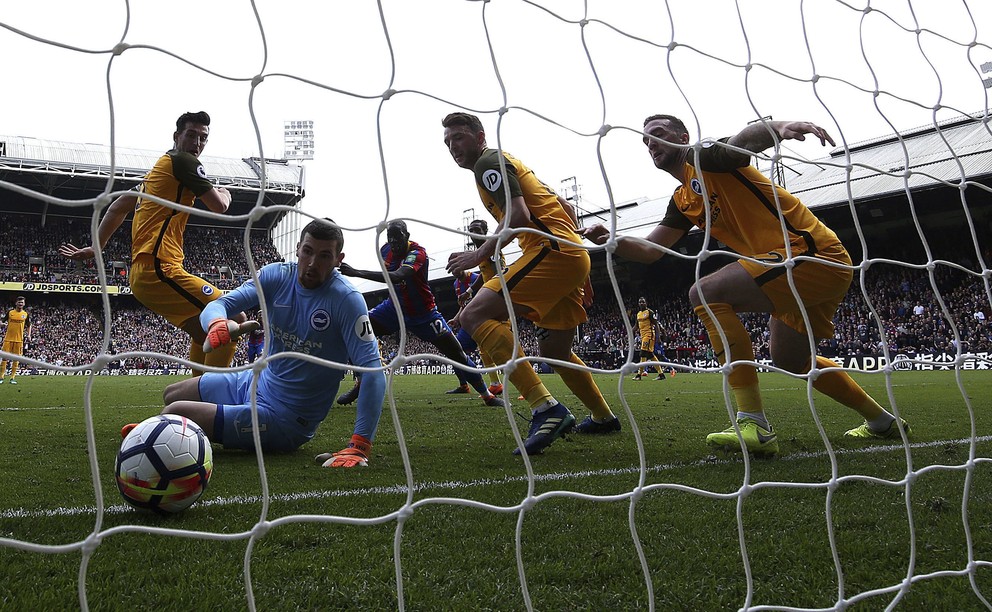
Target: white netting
564 86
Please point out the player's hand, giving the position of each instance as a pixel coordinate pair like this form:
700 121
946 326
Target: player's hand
459 262
797 130
225 331
77 254
598 233
346 269
356 454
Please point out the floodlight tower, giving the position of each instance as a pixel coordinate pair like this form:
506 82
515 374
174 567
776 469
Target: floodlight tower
297 146
468 216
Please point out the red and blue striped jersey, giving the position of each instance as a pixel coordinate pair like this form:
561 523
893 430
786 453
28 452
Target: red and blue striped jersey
415 297
462 284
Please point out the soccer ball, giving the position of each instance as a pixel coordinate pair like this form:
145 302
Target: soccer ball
164 464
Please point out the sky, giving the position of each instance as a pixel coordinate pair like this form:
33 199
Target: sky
574 80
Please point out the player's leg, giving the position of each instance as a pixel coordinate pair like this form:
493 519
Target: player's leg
437 332
14 365
727 291
495 378
822 288
468 345
3 370
790 351
557 344
540 280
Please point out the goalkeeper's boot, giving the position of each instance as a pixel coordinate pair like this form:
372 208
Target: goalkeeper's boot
496 388
636 376
589 426
546 427
127 429
2 381
865 432
459 390
348 397
660 376
759 441
13 382
494 400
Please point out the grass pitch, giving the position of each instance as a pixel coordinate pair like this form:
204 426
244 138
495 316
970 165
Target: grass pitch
463 524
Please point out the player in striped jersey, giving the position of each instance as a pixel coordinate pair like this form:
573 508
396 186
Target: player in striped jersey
751 215
406 266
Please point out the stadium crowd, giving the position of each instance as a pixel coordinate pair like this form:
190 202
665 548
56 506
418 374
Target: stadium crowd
901 296
216 254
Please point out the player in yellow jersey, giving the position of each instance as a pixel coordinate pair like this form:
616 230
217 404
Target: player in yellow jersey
545 284
469 285
650 332
752 216
157 276
18 323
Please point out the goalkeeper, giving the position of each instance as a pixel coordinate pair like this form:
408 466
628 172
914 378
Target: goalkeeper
314 310
747 212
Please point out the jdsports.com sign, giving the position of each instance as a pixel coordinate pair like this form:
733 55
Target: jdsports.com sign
68 288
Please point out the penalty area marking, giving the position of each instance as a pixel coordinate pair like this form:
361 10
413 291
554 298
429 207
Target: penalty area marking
455 485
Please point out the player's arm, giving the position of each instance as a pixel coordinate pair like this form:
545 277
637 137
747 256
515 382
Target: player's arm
117 212
760 136
216 318
363 351
394 276
637 250
217 199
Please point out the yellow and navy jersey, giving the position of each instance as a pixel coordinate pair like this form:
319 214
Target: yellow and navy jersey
646 321
158 230
17 323
488 267
744 213
546 212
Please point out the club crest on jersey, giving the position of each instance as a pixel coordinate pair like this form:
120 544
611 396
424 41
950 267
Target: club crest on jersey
363 328
320 319
207 290
492 180
696 186
201 172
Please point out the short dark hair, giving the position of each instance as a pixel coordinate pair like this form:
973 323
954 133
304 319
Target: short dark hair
482 222
324 229
467 119
675 121
19 298
199 118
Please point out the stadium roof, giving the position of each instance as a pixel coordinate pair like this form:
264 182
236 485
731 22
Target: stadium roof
75 171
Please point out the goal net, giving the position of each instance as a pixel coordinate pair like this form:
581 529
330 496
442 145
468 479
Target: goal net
444 516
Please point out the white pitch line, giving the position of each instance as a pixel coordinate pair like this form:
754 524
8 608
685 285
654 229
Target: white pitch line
401 489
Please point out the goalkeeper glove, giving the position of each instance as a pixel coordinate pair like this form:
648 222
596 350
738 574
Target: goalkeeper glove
356 454
219 334
225 331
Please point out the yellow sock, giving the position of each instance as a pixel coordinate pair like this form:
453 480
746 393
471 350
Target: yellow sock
221 357
13 369
581 383
497 340
3 368
487 362
743 379
839 385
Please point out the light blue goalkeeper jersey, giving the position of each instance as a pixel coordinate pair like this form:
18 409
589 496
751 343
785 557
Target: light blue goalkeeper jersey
330 322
